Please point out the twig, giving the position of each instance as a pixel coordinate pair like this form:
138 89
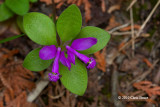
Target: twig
148 18
119 27
42 102
114 81
50 92
140 30
123 33
122 48
132 3
132 30
39 87
58 96
156 81
157 77
141 77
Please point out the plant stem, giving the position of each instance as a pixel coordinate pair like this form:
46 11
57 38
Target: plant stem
10 38
54 11
54 15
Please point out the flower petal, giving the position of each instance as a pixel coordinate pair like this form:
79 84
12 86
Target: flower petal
55 67
83 43
65 61
53 77
92 63
82 57
47 52
71 57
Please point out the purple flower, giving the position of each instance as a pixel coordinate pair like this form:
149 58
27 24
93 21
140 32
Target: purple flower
50 52
81 44
47 53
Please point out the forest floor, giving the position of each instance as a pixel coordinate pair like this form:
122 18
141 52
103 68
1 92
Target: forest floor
127 68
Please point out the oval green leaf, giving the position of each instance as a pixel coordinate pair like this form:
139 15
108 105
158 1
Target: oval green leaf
20 7
34 63
40 28
20 23
69 23
5 12
76 79
102 38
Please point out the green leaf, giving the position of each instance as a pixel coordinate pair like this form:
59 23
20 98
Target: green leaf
20 7
102 38
76 79
33 1
34 63
20 23
5 12
40 28
69 23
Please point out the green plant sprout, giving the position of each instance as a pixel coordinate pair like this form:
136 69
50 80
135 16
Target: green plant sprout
66 44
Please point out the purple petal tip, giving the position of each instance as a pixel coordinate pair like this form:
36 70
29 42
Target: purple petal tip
53 77
92 63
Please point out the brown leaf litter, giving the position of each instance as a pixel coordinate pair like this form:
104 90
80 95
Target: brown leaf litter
86 3
14 80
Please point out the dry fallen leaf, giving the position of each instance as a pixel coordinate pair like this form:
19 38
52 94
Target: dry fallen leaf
87 5
49 2
120 46
14 79
112 23
148 62
14 28
87 10
148 87
129 65
101 59
59 5
3 27
79 2
103 6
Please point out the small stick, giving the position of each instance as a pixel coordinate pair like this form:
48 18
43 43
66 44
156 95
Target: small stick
57 97
123 33
114 80
119 27
39 87
141 77
132 3
132 30
148 18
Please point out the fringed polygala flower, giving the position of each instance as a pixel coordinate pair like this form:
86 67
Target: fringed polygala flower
47 53
80 45
65 46
50 52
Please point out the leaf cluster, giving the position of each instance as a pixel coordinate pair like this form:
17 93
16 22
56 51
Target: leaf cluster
42 30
